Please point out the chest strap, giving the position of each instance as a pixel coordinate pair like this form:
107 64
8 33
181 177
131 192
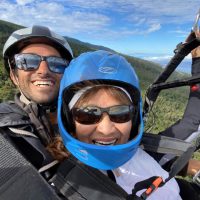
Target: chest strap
77 181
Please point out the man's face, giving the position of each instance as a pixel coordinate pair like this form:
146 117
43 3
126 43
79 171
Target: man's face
40 85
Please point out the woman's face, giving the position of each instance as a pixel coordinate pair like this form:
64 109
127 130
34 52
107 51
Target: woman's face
105 132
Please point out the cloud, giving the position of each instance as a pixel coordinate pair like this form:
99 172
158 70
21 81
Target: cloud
163 57
24 2
163 60
54 15
153 28
100 18
88 4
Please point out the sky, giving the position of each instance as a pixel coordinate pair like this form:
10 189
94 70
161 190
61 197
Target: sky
149 29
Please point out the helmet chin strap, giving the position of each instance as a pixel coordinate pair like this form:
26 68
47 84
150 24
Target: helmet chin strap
52 107
23 98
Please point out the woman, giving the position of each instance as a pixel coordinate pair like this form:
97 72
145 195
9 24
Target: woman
100 120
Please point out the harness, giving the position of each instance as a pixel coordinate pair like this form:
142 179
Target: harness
74 180
18 126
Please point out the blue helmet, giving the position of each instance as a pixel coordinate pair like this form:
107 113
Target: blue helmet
110 69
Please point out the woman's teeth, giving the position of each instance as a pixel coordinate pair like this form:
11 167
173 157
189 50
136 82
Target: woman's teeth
103 143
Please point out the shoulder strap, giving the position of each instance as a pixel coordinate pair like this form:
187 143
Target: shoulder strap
163 144
77 181
154 182
38 117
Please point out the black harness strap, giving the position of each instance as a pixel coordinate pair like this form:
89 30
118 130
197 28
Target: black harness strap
162 144
40 120
153 183
180 162
77 181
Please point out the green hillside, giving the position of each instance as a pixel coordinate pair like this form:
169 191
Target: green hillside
168 108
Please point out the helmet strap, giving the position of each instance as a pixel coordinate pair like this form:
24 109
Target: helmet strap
13 75
16 82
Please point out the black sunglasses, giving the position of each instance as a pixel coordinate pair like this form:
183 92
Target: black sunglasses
28 62
93 114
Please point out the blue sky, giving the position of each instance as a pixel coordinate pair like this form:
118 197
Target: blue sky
149 29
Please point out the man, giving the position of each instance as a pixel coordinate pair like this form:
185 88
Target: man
36 59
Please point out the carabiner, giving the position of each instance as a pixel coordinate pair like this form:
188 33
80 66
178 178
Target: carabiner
195 27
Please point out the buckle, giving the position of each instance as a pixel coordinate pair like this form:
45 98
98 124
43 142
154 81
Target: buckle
196 178
156 183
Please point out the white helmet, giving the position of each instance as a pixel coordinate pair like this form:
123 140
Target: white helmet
36 34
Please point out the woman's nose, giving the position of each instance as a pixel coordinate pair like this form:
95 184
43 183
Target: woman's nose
106 126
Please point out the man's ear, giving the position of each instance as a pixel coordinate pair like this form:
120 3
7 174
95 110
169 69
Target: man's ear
13 77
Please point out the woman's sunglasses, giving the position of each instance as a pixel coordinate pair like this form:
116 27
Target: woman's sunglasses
93 114
29 62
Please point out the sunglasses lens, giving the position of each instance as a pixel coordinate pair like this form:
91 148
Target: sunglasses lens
87 115
57 64
92 114
27 61
31 62
120 114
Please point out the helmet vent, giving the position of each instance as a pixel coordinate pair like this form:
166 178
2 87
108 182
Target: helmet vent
40 30
108 70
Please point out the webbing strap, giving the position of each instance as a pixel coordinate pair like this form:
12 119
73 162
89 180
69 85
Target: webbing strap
154 182
172 146
42 125
150 184
180 162
163 144
77 181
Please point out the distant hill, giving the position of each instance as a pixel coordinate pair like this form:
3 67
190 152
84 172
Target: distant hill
147 71
86 44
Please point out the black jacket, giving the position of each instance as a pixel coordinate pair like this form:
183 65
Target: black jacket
17 126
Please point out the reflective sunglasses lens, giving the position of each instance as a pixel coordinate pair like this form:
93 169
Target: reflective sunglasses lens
27 61
57 64
87 115
92 114
120 114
